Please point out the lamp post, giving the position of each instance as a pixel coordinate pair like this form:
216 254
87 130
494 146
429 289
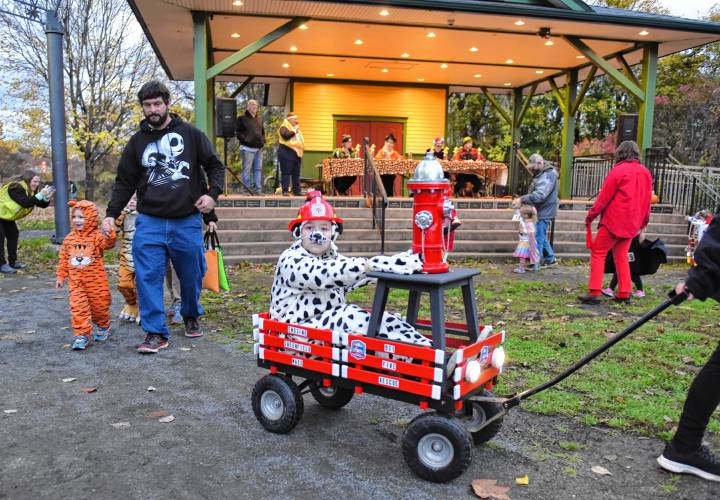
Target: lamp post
31 10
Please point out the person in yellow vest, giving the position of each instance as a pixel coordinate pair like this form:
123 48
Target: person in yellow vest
290 152
18 197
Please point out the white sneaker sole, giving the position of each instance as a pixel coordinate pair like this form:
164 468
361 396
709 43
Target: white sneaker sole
685 469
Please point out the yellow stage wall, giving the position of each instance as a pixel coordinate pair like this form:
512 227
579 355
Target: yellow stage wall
316 103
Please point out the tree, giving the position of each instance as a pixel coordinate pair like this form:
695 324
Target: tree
105 63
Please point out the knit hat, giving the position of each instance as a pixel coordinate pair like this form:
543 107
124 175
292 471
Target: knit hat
466 140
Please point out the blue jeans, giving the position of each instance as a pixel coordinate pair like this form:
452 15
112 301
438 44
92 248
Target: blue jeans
545 251
157 239
252 160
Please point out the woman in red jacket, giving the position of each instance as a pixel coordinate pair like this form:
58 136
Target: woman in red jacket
624 209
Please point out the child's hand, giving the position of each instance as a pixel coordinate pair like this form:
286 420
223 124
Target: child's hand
59 283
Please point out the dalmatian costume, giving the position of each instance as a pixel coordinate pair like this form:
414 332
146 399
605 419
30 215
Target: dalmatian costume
310 289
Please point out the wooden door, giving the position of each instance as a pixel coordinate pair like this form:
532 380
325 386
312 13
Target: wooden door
356 129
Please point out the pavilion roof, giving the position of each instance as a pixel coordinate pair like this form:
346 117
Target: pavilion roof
463 44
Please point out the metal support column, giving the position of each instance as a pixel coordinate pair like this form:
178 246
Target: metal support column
568 134
54 32
647 105
517 108
204 87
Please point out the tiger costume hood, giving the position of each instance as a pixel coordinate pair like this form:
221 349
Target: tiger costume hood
90 212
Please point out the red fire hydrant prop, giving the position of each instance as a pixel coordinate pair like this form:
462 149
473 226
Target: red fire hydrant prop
433 213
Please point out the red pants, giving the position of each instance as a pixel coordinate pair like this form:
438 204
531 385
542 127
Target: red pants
604 242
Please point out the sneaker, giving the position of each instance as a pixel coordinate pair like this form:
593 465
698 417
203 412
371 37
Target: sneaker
192 328
519 270
7 269
18 265
546 264
608 292
700 463
176 316
590 299
153 343
622 300
638 294
80 343
102 334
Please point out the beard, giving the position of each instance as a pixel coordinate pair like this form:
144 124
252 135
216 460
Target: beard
157 119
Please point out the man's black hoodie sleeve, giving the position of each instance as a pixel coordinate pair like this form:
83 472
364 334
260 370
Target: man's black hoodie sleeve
211 164
703 280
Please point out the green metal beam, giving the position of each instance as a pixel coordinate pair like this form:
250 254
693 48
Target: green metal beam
647 108
583 90
203 90
242 86
559 95
568 135
526 103
628 71
252 48
498 107
608 68
517 112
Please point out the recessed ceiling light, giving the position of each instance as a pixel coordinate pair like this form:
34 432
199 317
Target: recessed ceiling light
507 84
331 75
293 49
443 66
473 49
358 42
384 12
509 61
430 34
303 27
540 71
579 57
404 54
235 35
644 33
421 79
477 75
549 43
238 3
384 70
519 22
286 65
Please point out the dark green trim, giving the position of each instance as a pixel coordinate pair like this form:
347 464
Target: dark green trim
150 39
373 118
447 102
568 135
608 68
559 97
202 84
575 5
628 71
526 103
647 108
517 105
252 48
396 59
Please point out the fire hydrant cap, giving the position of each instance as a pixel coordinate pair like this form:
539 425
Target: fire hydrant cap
429 170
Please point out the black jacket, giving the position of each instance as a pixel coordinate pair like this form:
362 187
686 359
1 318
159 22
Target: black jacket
165 167
703 280
18 194
250 131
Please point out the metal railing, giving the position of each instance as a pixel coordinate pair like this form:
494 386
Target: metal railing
588 174
375 194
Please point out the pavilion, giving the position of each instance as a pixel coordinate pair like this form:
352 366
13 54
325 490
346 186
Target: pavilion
367 64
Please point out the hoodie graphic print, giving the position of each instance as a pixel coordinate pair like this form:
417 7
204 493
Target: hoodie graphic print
81 260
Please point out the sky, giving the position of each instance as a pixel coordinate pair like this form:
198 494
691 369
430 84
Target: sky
691 9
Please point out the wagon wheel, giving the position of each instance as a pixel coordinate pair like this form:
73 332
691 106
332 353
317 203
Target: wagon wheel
437 447
332 397
482 411
277 403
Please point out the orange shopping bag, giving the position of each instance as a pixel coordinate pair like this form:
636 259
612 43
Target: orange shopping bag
211 280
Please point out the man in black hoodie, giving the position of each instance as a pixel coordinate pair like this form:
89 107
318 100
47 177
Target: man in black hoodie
686 453
164 164
251 134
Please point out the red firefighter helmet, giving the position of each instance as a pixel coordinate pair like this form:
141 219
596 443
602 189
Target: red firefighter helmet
316 208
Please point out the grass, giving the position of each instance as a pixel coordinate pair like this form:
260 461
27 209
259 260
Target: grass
640 385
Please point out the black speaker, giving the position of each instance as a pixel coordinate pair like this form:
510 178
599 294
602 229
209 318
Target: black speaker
225 117
627 126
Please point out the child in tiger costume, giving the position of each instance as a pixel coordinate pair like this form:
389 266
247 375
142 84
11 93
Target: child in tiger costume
126 223
81 261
